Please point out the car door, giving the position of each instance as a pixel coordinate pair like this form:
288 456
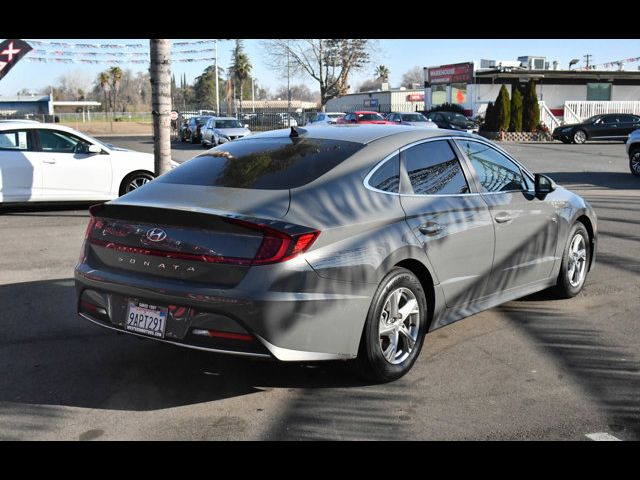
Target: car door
70 171
526 228
608 127
452 223
439 120
20 168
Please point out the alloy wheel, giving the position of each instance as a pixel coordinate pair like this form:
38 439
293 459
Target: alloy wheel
580 137
577 260
137 182
399 325
635 163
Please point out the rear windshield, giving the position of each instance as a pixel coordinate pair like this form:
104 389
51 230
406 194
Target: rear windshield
413 117
263 163
228 124
370 116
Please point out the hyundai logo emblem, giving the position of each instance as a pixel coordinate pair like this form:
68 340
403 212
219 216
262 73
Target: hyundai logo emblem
156 234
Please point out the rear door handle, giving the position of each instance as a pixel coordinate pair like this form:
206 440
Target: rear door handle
430 228
51 160
503 217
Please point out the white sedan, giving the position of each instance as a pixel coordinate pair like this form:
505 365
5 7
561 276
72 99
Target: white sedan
42 162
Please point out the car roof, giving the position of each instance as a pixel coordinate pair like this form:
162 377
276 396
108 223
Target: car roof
360 133
405 113
224 118
6 125
366 111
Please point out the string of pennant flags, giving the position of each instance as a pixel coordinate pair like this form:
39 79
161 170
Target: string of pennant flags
617 62
107 46
45 51
115 61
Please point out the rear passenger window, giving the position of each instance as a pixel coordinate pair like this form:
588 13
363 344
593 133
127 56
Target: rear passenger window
434 169
15 140
495 171
387 177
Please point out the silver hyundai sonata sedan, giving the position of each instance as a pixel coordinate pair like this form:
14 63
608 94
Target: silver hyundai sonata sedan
347 242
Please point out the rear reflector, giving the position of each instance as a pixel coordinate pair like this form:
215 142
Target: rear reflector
218 334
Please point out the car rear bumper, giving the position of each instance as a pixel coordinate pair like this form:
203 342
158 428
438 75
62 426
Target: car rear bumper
280 324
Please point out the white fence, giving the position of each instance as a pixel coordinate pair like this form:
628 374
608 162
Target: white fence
548 118
578 111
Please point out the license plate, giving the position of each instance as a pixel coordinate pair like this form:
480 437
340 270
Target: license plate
146 319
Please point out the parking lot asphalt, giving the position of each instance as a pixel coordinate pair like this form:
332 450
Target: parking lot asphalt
532 369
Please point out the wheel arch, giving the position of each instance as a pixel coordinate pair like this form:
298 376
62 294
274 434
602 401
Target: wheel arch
586 221
426 280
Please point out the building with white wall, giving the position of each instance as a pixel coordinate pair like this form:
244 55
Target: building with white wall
473 87
384 101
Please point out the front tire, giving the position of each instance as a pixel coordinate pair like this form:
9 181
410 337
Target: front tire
135 180
634 161
575 263
395 328
580 137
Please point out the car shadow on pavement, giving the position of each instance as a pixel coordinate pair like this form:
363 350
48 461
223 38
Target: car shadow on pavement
607 372
604 180
50 356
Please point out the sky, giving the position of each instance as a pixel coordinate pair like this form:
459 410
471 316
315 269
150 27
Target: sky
397 54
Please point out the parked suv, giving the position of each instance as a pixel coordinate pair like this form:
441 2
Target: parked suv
633 150
611 126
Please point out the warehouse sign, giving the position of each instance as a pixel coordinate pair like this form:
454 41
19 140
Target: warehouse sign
371 102
456 73
415 97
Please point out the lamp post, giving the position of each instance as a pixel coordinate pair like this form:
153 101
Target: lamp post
288 89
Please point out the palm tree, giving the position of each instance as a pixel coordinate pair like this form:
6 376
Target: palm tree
382 72
116 78
103 78
241 67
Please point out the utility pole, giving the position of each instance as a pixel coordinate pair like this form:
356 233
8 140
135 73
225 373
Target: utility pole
587 57
217 99
160 59
288 89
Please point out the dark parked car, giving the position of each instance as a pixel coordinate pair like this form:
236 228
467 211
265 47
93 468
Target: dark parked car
452 121
611 126
350 242
190 131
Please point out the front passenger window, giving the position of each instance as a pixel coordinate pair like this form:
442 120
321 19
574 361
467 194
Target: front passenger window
495 171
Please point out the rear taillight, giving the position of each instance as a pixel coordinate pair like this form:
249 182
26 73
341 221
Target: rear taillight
93 210
278 246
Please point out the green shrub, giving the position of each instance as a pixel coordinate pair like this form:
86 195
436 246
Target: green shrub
515 124
530 108
490 122
503 109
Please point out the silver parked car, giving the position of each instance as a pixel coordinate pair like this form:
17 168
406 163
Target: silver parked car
220 130
350 242
415 119
326 118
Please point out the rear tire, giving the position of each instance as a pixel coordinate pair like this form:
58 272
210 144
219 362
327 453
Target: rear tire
575 263
634 161
395 328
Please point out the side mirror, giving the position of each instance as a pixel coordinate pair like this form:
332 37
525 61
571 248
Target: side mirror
94 149
246 125
544 185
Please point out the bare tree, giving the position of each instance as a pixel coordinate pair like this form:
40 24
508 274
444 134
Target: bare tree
328 61
160 71
413 76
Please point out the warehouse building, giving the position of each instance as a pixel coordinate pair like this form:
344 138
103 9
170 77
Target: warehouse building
384 100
